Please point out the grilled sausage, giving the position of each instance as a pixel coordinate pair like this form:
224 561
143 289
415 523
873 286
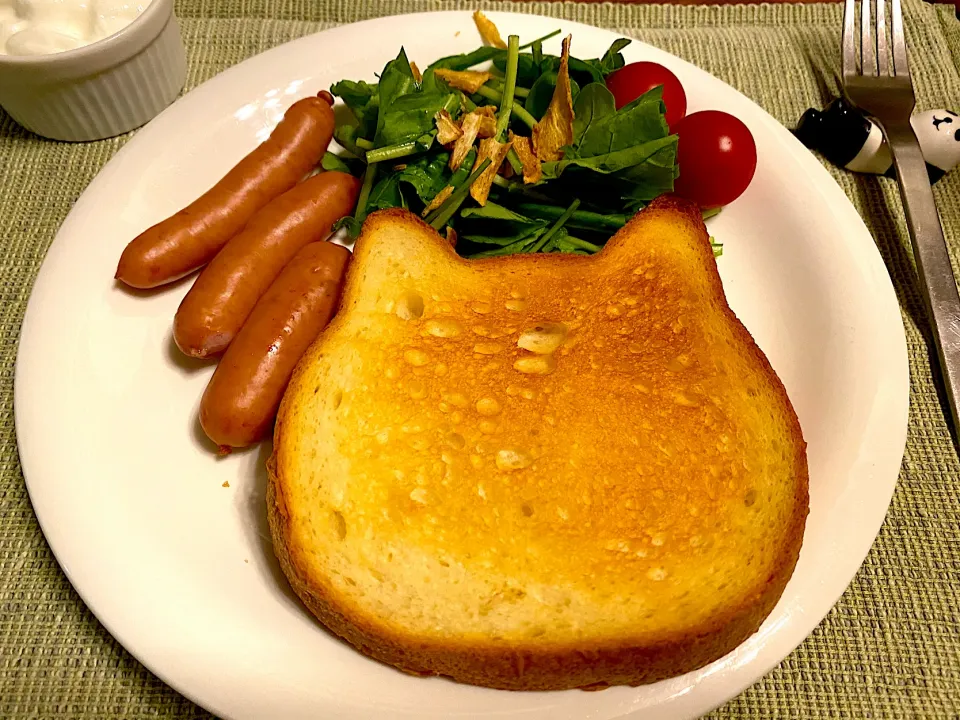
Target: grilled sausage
241 401
192 237
215 308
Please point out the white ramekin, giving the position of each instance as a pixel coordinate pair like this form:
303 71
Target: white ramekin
103 89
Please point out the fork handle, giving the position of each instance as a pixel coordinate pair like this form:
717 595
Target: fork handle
933 260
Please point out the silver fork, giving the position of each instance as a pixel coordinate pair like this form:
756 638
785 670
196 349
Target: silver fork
879 84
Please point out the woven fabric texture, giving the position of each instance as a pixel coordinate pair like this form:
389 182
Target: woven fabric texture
891 646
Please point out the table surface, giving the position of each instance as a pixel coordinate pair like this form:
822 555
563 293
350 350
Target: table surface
891 646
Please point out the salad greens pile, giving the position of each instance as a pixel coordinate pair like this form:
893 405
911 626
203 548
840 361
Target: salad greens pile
528 156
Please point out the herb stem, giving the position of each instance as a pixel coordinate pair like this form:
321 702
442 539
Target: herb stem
582 244
392 152
468 104
439 217
518 111
346 135
526 118
363 143
556 226
518 91
509 86
580 218
369 175
514 161
540 40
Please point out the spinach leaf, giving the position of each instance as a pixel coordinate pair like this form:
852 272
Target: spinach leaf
362 99
350 223
612 59
615 160
396 80
432 84
427 175
330 161
593 103
525 233
467 60
411 116
386 194
493 211
651 95
541 92
632 125
347 136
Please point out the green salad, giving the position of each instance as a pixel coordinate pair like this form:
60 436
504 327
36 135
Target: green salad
506 149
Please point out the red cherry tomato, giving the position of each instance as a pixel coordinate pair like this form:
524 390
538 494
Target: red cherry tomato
717 158
633 80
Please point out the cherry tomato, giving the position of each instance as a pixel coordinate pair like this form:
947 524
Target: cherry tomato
633 80
717 158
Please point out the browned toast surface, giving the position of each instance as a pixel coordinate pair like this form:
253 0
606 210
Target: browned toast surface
539 471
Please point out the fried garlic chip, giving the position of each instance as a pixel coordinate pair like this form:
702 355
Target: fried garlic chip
469 126
488 31
438 200
531 163
497 152
555 128
488 121
467 80
447 130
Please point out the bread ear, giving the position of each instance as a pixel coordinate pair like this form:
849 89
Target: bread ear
394 251
666 216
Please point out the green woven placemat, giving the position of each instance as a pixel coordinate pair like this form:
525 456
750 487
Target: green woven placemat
891 646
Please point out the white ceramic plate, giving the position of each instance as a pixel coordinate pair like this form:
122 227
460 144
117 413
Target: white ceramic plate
180 568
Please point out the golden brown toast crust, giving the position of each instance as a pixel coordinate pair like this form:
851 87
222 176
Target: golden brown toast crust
531 665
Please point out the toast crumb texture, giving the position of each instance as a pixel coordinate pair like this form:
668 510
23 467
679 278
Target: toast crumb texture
538 472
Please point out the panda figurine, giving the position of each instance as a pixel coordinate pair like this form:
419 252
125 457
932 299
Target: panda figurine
848 139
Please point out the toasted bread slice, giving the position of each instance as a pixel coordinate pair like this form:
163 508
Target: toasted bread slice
539 471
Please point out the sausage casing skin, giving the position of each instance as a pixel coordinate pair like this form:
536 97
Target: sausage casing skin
190 238
240 403
224 294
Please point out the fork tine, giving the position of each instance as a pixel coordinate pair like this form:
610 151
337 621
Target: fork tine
868 55
883 54
900 66
848 53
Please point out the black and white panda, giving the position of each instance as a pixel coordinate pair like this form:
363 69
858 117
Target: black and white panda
848 139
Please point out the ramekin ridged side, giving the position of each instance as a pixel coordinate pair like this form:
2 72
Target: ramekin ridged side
104 89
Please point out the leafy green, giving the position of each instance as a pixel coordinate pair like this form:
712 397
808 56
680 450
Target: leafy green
541 92
601 222
347 136
402 149
386 194
467 60
410 116
426 176
617 162
493 211
531 66
593 104
329 161
362 99
351 224
603 132
612 59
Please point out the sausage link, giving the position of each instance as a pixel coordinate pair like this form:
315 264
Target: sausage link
192 237
215 308
241 400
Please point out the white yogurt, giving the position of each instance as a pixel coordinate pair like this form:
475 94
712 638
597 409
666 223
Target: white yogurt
40 27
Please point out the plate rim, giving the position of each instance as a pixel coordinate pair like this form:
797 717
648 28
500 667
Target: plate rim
823 182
